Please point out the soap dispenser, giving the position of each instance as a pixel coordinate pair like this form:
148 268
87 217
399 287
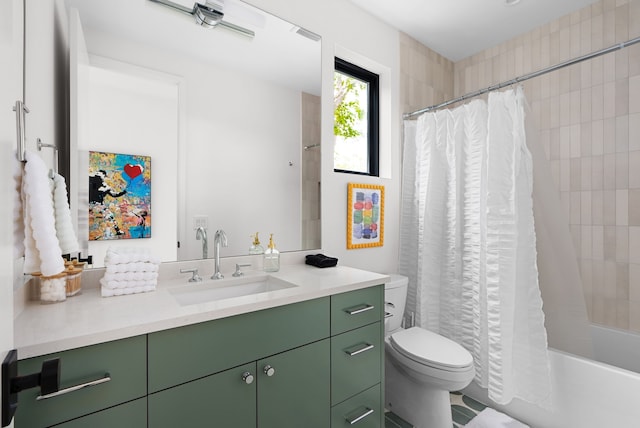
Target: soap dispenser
271 257
256 248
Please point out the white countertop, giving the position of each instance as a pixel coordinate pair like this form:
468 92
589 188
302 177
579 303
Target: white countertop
88 319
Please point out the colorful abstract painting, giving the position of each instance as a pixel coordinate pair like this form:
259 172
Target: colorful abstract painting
365 216
119 196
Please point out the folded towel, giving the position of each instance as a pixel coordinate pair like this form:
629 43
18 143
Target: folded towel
490 418
41 247
108 292
64 228
127 284
131 267
131 276
320 260
130 255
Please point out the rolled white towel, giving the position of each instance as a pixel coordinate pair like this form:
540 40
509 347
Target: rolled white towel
64 228
41 243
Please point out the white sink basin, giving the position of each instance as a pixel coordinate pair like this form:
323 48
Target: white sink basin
212 290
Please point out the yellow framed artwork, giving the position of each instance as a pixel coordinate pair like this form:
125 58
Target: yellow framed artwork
365 216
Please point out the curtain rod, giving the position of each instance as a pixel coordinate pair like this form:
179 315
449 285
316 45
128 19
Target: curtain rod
524 77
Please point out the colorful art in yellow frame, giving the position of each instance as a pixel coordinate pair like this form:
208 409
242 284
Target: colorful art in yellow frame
365 216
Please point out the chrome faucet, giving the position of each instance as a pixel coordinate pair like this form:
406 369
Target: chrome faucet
201 233
219 238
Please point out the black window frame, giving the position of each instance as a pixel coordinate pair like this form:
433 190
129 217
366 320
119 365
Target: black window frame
373 131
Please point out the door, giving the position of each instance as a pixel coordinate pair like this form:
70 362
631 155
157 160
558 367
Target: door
11 51
293 388
226 399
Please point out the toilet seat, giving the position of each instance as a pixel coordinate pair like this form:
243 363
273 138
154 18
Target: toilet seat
430 349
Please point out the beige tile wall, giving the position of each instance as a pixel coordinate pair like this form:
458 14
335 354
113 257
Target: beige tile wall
311 232
588 117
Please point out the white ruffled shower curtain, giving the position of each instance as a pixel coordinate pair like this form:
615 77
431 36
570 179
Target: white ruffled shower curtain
468 243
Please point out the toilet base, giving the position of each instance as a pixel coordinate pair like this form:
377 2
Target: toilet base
416 403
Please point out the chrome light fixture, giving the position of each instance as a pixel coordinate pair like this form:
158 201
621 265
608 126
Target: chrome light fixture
208 15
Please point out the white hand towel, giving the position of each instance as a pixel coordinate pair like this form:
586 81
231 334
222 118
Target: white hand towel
490 418
42 250
131 267
130 276
127 284
64 228
130 255
109 292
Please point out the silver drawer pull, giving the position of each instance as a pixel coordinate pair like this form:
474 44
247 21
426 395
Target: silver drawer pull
360 417
104 379
359 309
365 348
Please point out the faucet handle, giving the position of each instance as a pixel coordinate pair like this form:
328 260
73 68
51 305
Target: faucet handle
238 272
194 277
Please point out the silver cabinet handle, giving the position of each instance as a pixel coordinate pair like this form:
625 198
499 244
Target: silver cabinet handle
364 348
355 420
359 309
104 379
247 378
269 370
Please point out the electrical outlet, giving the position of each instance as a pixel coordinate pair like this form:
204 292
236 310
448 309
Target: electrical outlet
200 221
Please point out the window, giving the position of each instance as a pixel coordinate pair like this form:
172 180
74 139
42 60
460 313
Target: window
356 117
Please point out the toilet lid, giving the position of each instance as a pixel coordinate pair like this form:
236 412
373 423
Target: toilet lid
431 349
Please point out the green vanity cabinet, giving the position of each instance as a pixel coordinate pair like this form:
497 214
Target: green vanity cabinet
357 358
128 415
121 365
293 388
221 400
186 353
312 364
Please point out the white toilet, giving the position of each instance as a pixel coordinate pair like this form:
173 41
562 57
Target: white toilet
421 367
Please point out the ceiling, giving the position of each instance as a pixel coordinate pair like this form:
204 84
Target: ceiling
457 29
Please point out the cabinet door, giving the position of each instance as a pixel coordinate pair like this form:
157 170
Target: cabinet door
297 392
127 415
221 400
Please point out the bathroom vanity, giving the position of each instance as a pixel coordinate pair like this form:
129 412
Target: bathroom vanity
308 355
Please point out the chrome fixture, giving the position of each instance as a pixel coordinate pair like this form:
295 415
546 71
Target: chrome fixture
201 234
208 15
239 272
194 274
219 238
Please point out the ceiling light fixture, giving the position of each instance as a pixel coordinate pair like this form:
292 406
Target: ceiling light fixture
208 15
511 2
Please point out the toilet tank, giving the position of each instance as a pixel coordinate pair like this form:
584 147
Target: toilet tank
395 297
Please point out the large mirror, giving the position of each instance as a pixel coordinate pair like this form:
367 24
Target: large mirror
229 120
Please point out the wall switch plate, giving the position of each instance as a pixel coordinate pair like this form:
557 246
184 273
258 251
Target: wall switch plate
200 221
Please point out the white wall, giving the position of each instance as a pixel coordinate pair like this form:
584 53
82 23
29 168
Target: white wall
136 115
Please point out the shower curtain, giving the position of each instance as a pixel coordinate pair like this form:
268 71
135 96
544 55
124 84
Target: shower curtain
468 243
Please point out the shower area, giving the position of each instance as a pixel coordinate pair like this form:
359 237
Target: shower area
586 135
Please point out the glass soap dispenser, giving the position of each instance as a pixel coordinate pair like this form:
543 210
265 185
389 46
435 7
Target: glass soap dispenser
256 248
271 257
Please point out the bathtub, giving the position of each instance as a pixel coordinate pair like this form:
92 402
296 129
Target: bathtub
619 348
586 394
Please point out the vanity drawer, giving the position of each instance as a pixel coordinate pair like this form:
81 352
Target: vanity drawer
123 360
186 353
356 361
356 308
128 415
362 411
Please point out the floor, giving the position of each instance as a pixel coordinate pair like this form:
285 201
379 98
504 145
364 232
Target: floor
463 409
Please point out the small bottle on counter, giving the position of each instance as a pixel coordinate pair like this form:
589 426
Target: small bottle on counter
256 247
271 257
